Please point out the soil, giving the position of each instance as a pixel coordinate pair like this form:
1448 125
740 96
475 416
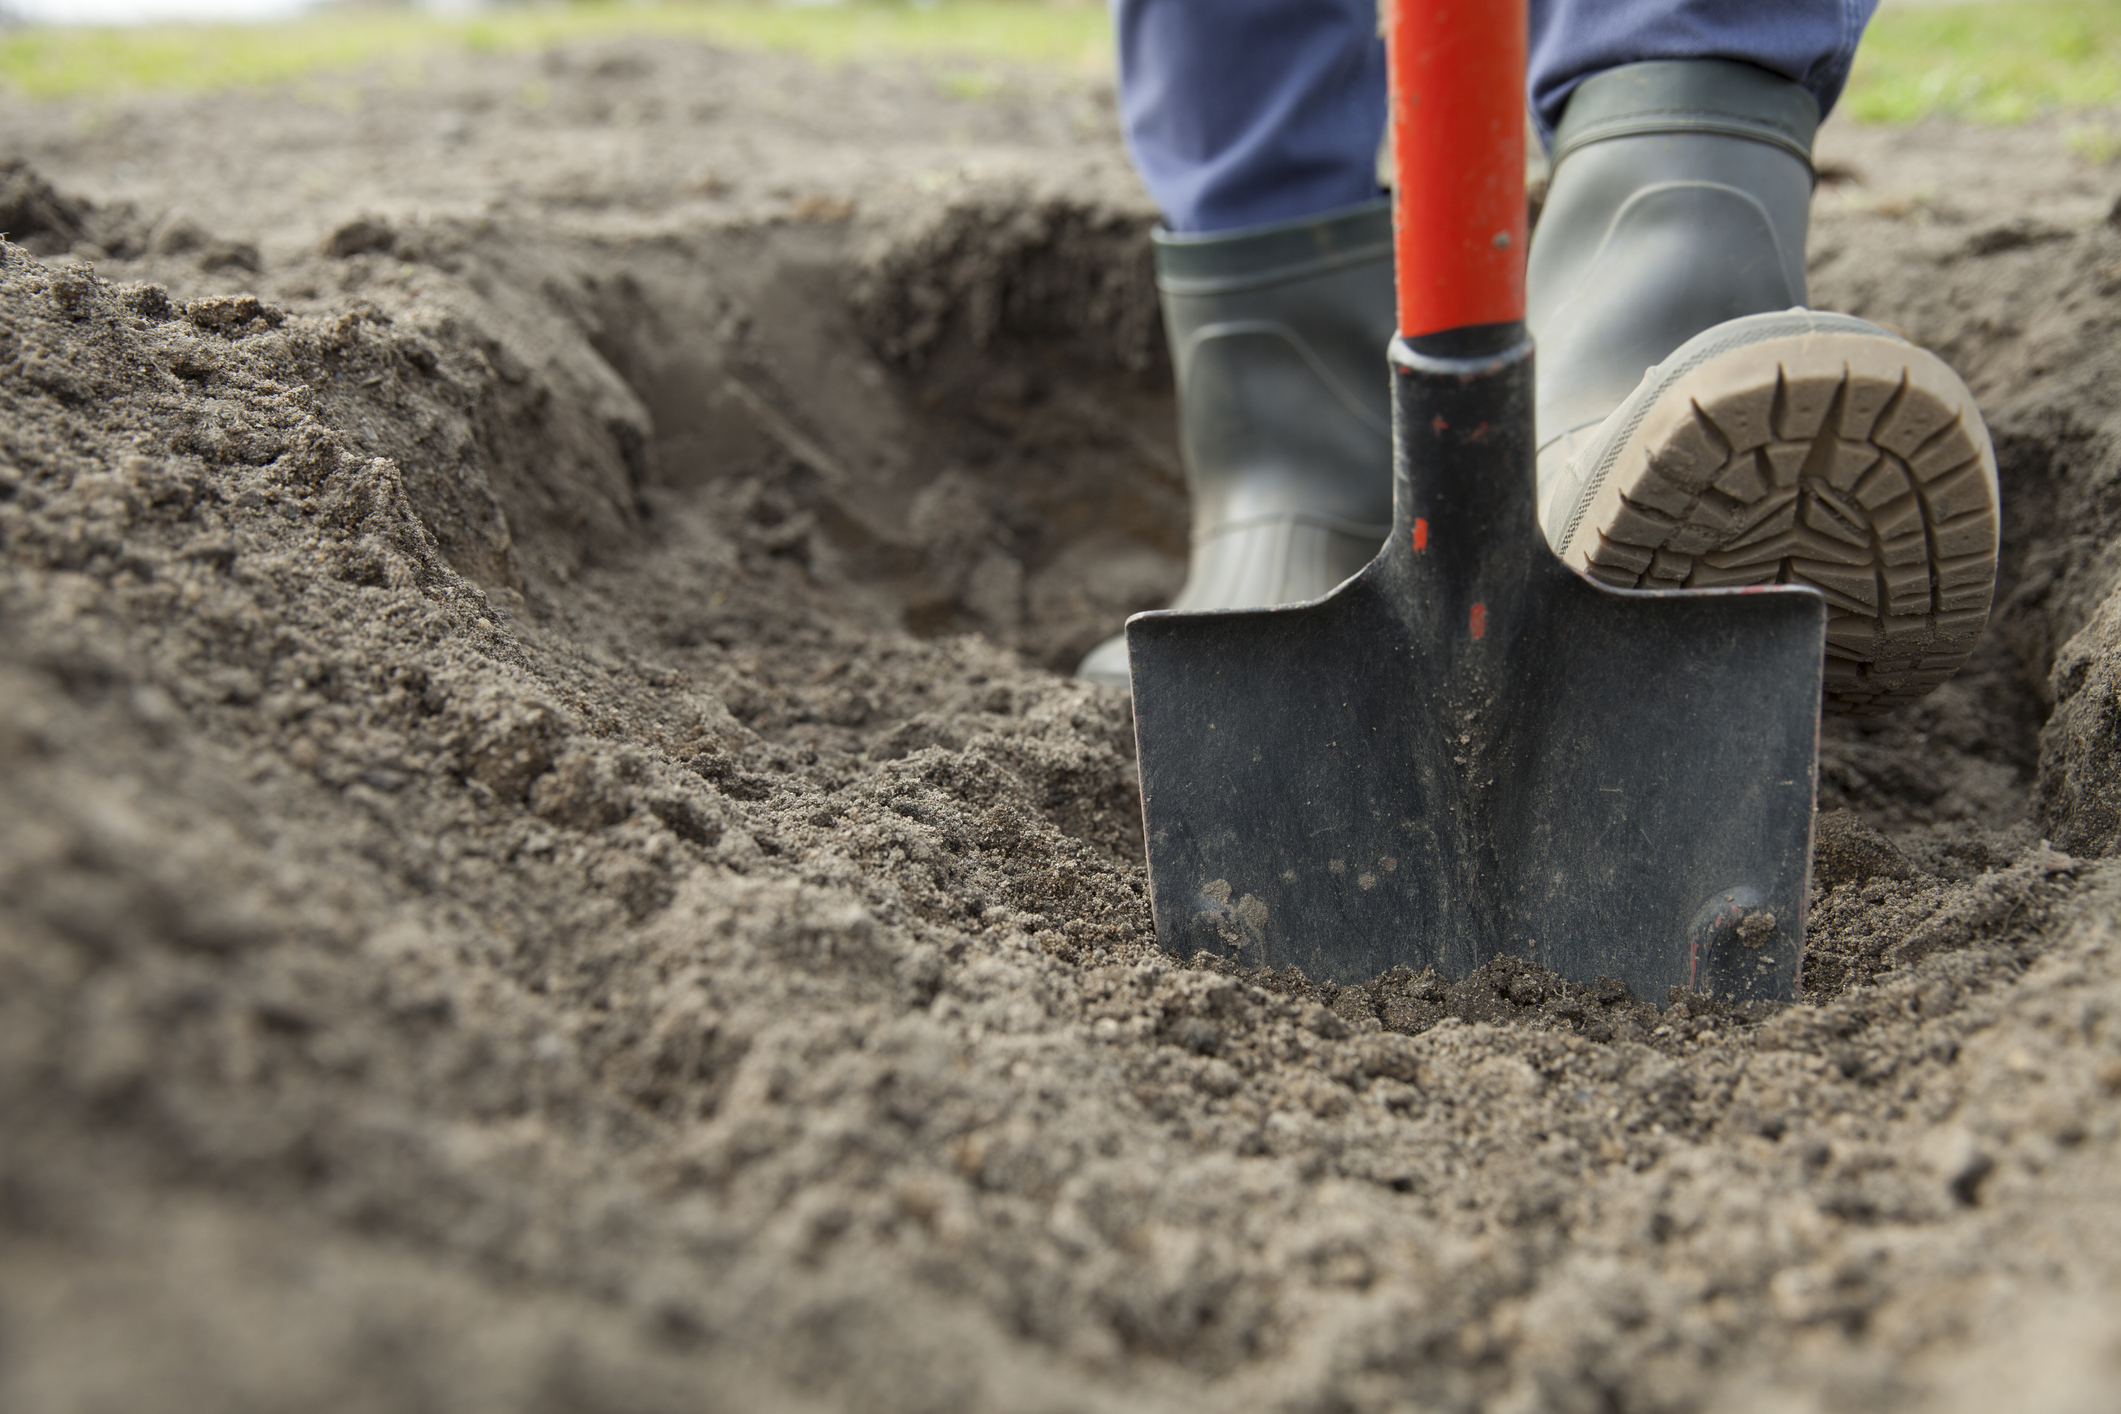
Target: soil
547 860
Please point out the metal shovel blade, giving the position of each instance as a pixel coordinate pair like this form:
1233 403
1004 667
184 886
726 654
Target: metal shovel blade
1468 750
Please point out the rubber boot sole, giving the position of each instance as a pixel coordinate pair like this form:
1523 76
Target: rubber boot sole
1801 448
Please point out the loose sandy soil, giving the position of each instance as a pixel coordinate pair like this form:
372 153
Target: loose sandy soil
545 863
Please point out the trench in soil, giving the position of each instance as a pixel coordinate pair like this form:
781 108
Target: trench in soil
962 432
1022 482
965 428
968 427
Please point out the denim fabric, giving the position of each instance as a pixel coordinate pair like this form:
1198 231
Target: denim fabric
1244 112
1811 41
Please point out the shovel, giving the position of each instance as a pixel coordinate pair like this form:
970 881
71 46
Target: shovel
1468 750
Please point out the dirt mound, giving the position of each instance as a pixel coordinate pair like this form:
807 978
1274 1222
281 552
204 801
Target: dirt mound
35 216
543 863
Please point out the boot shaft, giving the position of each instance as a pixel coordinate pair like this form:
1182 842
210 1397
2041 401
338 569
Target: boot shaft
1680 198
1278 338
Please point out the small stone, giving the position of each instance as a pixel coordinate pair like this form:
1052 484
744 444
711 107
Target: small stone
1957 1158
1757 929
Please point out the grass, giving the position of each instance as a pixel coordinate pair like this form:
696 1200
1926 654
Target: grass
91 62
1990 63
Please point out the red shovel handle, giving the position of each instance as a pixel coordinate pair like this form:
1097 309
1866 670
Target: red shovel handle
1457 72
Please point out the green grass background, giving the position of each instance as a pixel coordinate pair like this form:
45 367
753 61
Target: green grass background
1991 63
55 62
1987 62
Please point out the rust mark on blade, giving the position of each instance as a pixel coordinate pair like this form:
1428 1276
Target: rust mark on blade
1478 621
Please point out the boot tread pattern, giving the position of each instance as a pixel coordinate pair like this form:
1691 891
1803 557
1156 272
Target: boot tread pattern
1874 489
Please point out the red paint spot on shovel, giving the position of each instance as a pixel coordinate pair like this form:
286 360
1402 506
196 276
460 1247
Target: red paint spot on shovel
1421 533
1479 624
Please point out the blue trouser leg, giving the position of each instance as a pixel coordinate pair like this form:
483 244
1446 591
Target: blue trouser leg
1811 41
1244 112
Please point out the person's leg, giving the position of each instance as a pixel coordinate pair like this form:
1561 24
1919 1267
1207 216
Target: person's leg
1255 126
1711 102
1765 443
1676 214
1248 112
1810 42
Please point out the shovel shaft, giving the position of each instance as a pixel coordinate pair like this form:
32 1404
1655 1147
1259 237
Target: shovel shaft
1458 124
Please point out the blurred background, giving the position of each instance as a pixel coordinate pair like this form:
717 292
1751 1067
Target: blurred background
1998 62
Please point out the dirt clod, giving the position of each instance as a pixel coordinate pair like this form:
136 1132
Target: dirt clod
1845 850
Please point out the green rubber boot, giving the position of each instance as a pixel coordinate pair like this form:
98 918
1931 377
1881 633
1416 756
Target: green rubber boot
1699 428
1278 337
